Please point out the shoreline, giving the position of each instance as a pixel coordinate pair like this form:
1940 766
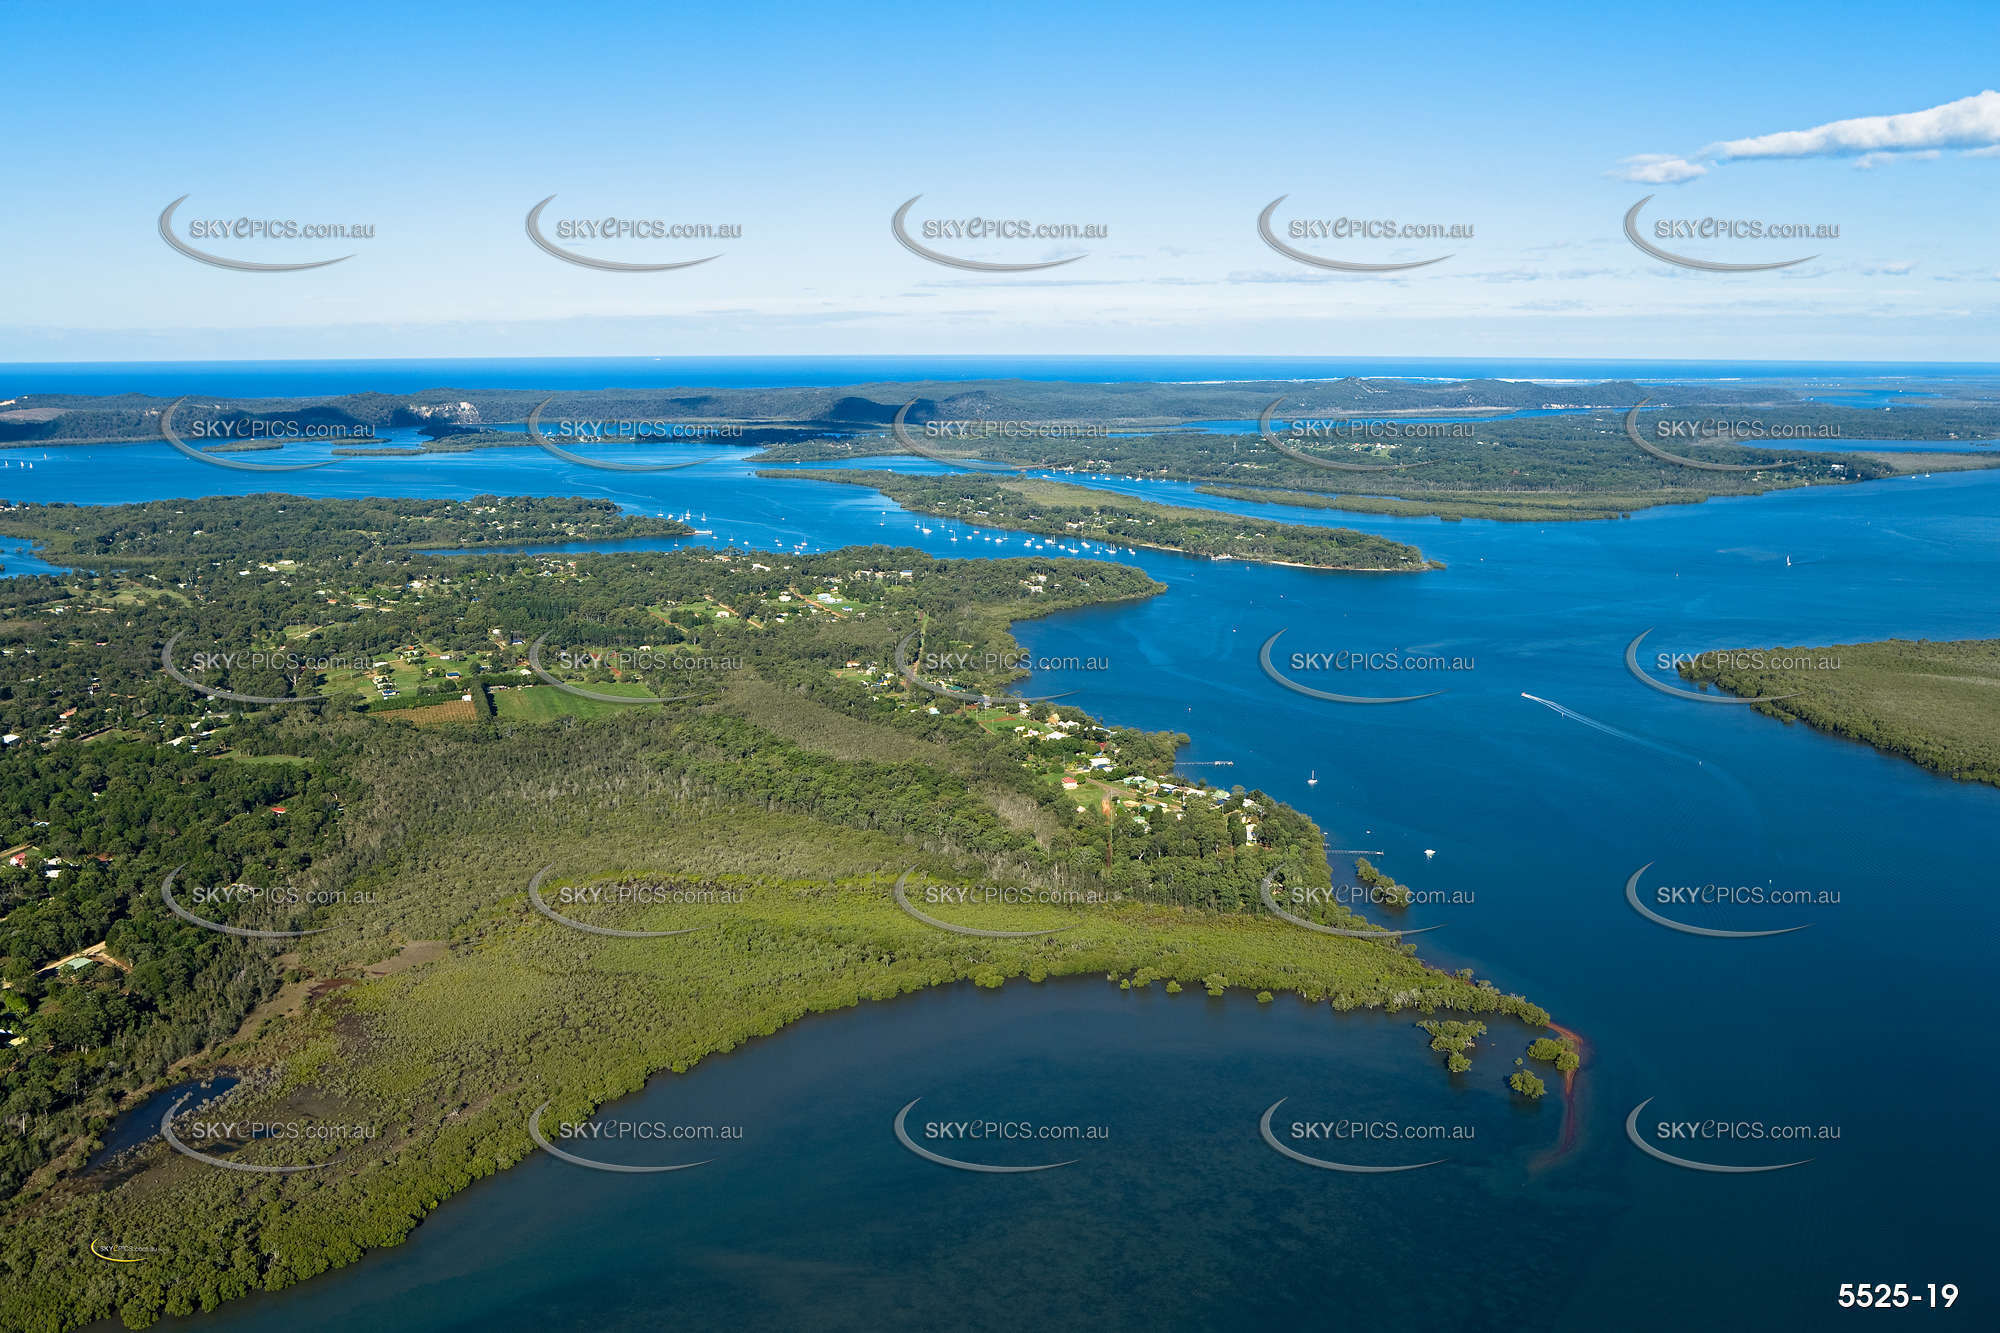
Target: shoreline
1146 943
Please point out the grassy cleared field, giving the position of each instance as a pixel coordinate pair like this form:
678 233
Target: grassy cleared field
1935 703
541 703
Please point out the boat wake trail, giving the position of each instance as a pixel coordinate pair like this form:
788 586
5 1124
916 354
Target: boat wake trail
1595 725
1625 735
1746 801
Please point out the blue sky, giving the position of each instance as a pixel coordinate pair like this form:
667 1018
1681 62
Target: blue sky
1170 125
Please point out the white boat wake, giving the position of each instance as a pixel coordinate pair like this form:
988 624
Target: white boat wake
1593 723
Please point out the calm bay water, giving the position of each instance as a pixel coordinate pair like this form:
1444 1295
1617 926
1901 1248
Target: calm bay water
1184 1217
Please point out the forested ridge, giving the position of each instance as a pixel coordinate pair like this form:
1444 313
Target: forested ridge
803 773
1574 464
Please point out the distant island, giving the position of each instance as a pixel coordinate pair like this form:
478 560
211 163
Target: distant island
1935 703
1475 448
1058 509
1453 506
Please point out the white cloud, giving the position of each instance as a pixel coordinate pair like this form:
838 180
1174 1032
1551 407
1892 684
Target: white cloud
1970 125
1870 160
1658 169
1970 122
